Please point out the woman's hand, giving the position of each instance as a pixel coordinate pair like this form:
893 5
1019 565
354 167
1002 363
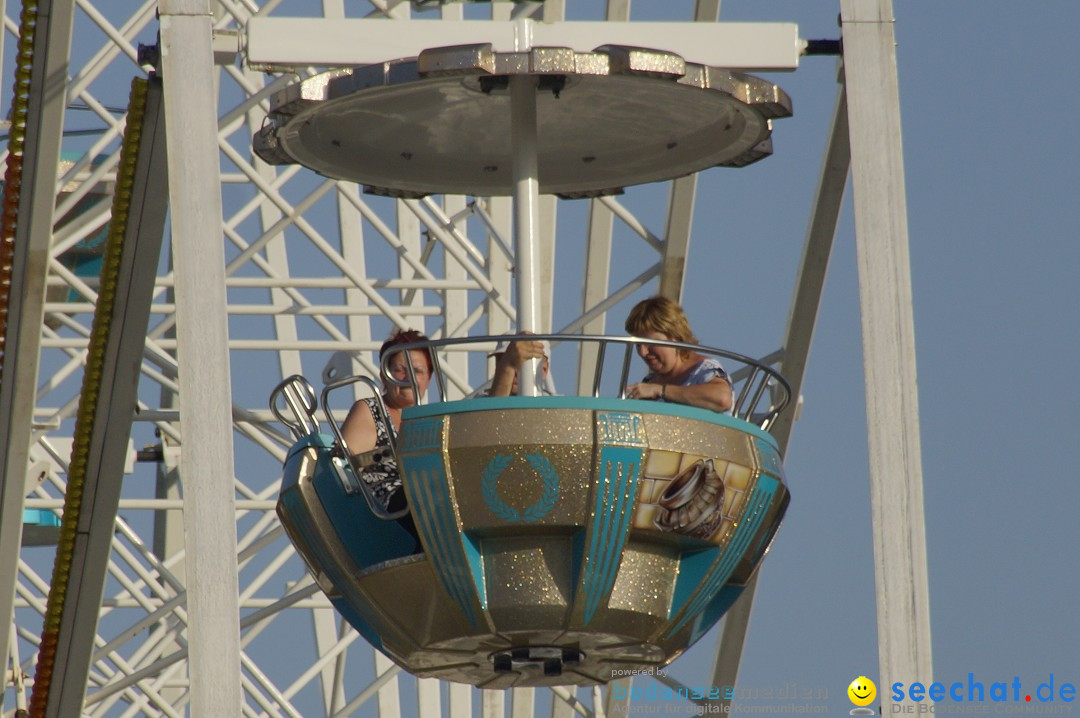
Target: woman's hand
645 390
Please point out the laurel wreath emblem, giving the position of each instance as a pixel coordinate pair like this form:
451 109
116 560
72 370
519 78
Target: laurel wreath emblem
489 484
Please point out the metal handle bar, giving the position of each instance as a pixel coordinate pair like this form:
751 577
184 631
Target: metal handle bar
358 462
299 396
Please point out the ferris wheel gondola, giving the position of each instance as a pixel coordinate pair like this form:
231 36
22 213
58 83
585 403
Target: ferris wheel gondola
562 538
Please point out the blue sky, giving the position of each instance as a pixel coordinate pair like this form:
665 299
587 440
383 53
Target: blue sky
991 155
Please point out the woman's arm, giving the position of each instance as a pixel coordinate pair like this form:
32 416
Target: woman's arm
359 429
715 395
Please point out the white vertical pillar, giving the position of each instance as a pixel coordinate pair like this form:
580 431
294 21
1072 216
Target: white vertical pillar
892 408
526 214
677 236
277 253
522 702
187 60
26 298
456 302
494 703
460 700
389 695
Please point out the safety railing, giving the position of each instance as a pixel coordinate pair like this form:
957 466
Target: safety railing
759 392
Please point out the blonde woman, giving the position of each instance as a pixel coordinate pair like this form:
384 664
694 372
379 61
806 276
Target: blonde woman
675 375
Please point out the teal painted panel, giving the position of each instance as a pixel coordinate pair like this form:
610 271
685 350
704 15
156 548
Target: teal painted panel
433 514
40 517
757 505
362 627
368 539
421 435
769 458
714 611
693 568
474 554
616 488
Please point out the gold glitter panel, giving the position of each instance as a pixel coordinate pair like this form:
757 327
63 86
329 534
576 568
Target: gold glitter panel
515 427
646 579
529 581
690 436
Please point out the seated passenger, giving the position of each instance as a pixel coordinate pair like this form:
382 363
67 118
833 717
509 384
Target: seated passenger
364 429
510 355
675 375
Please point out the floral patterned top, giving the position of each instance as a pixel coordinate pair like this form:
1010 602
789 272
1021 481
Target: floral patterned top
702 373
382 476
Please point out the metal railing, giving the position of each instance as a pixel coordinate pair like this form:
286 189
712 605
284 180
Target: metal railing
299 397
752 382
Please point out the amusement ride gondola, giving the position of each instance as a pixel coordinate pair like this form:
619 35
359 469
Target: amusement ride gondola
561 537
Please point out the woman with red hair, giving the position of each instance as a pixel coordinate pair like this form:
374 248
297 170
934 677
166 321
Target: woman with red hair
364 429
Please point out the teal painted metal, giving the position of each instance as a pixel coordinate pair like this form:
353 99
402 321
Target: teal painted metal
693 568
616 487
40 517
756 508
434 512
489 485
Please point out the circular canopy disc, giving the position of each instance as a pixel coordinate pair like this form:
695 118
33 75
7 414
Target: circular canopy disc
400 130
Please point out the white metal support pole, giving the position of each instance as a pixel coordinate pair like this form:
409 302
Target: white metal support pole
597 256
526 214
26 303
213 630
892 409
552 11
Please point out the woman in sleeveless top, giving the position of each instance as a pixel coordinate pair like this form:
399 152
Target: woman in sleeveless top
364 429
675 375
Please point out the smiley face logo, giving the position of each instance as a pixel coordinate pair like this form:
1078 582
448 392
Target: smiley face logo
862 691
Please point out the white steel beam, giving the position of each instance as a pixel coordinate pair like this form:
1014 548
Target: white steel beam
522 702
187 58
681 201
276 251
677 236
810 282
563 701
429 697
455 301
389 692
595 287
30 261
301 42
892 408
352 249
499 268
597 254
494 703
112 419
460 700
